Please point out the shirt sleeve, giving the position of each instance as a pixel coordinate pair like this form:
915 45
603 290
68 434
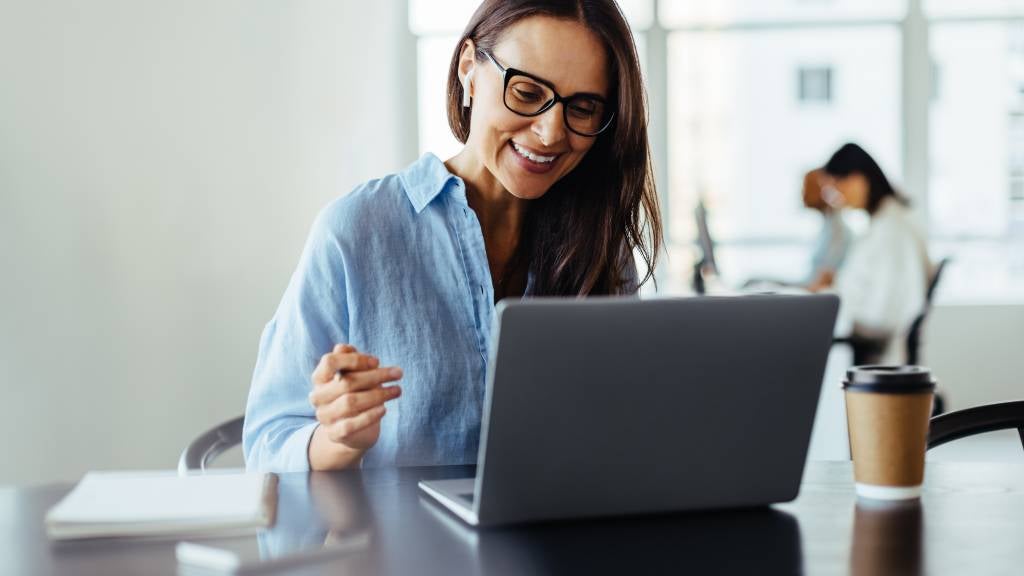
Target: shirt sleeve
311 318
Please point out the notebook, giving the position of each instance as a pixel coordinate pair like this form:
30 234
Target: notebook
152 504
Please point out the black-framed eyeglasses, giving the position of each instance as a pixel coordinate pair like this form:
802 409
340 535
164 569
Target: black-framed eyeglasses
585 114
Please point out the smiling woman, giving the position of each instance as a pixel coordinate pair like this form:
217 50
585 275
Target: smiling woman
582 217
551 195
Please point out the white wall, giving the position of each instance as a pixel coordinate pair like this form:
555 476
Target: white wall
976 351
160 164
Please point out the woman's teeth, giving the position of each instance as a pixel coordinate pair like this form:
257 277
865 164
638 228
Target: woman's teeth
532 157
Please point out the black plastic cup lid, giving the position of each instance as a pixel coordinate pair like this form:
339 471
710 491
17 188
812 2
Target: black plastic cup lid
892 379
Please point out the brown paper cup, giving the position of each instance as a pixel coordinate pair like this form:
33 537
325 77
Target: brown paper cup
887 412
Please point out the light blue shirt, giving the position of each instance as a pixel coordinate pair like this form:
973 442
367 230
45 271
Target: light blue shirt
397 268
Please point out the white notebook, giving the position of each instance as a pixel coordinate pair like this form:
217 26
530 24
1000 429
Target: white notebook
111 504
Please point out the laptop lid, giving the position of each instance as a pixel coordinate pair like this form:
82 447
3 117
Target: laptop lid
606 406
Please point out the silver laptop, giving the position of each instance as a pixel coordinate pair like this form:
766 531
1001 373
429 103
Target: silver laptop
609 406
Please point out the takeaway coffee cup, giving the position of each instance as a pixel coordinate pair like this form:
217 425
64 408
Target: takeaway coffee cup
887 411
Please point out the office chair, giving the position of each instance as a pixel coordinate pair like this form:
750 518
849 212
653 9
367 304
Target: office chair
200 452
913 344
976 420
914 334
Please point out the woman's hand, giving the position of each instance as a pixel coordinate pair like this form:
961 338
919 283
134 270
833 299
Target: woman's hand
824 281
348 395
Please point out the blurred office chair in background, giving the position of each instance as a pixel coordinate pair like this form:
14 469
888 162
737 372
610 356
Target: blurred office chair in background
705 265
200 452
916 328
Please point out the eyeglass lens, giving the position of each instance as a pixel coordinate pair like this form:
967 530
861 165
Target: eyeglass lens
583 114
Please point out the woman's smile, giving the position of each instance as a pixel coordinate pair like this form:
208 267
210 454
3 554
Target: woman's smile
532 160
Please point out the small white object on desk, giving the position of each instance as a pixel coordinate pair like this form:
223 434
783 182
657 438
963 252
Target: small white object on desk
245 555
132 504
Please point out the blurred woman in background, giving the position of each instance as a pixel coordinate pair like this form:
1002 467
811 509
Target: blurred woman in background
883 284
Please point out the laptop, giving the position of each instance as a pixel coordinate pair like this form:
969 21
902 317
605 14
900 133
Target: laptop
616 406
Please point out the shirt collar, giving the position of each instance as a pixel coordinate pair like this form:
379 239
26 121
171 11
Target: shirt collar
426 179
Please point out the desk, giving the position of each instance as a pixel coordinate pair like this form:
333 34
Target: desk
970 521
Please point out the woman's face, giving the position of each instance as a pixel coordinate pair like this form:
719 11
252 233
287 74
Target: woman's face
854 189
527 155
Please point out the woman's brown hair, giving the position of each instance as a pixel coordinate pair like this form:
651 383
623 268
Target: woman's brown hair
579 238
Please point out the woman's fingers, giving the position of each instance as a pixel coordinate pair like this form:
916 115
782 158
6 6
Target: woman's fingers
352 382
356 381
342 429
352 404
349 395
342 360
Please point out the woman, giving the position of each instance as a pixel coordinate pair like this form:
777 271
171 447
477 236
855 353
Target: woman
551 195
884 282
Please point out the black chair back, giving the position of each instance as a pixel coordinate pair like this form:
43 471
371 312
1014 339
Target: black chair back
914 334
976 420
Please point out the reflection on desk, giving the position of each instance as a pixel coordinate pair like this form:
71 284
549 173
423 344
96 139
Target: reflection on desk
887 538
729 542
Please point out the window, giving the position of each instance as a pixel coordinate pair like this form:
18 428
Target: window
683 13
995 9
815 84
1016 150
434 55
976 129
741 137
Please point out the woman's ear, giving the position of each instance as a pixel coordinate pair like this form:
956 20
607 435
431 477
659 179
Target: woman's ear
466 98
467 65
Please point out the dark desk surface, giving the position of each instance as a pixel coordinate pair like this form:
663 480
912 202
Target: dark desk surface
970 521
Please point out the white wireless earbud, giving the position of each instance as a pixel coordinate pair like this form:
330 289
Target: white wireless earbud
466 100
